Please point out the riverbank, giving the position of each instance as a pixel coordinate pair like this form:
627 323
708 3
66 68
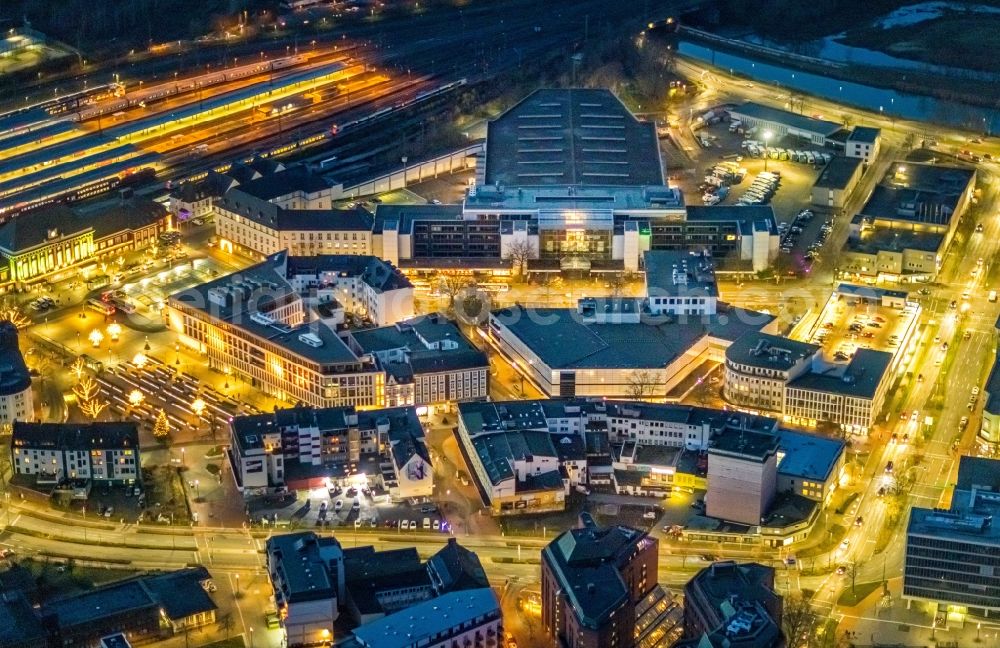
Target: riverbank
970 92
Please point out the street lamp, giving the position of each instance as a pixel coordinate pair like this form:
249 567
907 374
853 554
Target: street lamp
404 159
146 347
767 135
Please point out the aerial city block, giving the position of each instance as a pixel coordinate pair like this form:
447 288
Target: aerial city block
499 324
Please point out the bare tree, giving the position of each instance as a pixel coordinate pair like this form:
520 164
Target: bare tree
519 253
12 313
86 389
452 285
798 621
643 384
78 367
93 408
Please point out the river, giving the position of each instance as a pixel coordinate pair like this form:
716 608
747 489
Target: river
894 104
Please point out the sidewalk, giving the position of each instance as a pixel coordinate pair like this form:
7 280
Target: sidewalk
881 621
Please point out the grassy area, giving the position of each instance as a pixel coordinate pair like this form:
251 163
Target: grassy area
548 524
956 39
860 592
65 577
165 493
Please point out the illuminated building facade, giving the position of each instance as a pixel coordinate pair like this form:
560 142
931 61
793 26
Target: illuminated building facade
57 238
571 181
275 325
98 452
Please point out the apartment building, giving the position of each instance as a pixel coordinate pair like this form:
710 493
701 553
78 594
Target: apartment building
305 447
527 455
50 453
386 599
593 581
732 605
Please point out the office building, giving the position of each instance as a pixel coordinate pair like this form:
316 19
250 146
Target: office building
571 181
742 476
836 182
427 361
387 598
253 223
57 238
908 222
810 465
679 283
952 558
53 453
275 325
305 447
863 143
776 374
732 605
16 402
593 579
783 123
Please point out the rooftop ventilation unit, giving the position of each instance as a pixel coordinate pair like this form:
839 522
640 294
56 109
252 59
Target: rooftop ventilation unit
262 319
311 339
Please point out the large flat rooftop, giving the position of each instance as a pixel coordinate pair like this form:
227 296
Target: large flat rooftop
571 137
919 193
562 340
885 239
808 456
679 273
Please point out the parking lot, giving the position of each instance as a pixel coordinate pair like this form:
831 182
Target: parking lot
358 507
847 324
